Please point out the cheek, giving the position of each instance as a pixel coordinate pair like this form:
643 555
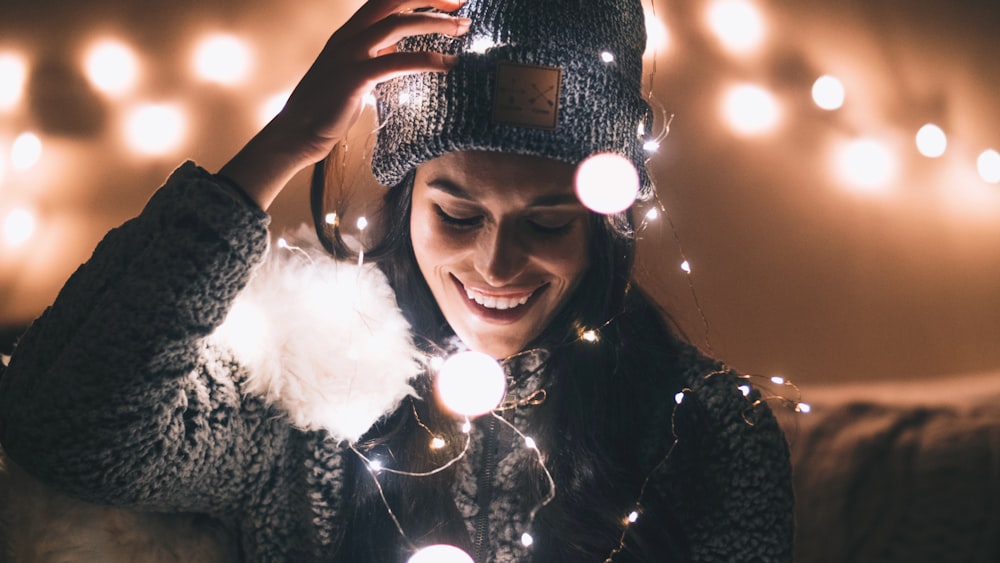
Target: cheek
568 259
432 246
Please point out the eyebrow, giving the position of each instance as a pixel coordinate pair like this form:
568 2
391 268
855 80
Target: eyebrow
548 200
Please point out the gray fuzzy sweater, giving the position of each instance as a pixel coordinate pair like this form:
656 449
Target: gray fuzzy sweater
119 394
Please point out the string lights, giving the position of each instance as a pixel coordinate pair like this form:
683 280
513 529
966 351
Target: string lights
828 92
222 58
155 130
607 183
13 77
111 66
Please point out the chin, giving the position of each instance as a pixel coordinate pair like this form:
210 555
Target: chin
495 350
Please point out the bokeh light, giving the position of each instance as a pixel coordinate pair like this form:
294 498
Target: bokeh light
18 226
223 59
155 129
738 25
25 151
481 44
607 183
657 36
111 66
931 141
13 75
471 383
272 106
865 165
828 92
440 554
988 165
750 110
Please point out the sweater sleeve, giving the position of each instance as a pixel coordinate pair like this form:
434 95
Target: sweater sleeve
731 474
114 395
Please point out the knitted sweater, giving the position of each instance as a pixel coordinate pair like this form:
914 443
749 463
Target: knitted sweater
127 392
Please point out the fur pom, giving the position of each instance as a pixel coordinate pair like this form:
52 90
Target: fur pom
323 340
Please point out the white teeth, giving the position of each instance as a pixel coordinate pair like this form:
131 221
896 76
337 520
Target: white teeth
491 302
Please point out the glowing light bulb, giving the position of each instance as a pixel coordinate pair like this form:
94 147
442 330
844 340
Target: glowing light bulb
745 389
471 383
750 110
272 107
607 183
804 408
222 58
988 164
13 75
737 24
653 214
362 223
111 66
437 443
375 465
607 57
530 442
686 267
369 100
931 141
527 539
466 427
633 517
828 92
331 218
26 151
778 380
282 243
155 129
865 165
651 146
679 397
590 336
18 226
436 362
440 553
481 44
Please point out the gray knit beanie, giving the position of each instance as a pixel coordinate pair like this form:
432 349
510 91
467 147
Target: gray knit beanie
554 78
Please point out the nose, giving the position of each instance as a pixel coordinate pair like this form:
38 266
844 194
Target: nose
500 255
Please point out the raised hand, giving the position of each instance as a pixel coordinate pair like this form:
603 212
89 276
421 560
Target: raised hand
328 98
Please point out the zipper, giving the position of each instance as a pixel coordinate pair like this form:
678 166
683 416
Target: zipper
484 491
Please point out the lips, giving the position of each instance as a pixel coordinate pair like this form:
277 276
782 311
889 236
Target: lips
501 308
495 301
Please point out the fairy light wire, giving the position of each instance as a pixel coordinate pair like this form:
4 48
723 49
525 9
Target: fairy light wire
532 445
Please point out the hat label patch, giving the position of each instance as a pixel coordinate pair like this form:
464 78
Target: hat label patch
527 95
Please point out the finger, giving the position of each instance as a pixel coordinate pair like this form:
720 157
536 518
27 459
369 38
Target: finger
376 10
389 31
393 65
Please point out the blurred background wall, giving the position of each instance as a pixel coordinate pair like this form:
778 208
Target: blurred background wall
830 177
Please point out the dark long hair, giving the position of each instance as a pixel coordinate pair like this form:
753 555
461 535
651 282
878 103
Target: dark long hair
594 428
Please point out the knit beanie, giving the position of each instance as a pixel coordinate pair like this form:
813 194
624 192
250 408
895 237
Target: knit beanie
553 78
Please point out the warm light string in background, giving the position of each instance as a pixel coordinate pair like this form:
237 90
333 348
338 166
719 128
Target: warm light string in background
154 128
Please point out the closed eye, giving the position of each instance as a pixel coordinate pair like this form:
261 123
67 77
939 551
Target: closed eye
461 222
552 228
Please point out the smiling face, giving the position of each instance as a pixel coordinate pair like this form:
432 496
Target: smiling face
502 242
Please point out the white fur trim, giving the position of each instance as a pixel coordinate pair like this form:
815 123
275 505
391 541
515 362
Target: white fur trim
323 340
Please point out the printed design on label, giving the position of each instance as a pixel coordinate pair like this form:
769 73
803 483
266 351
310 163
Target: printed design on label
527 95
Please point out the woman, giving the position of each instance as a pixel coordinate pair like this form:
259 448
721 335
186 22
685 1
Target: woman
319 436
